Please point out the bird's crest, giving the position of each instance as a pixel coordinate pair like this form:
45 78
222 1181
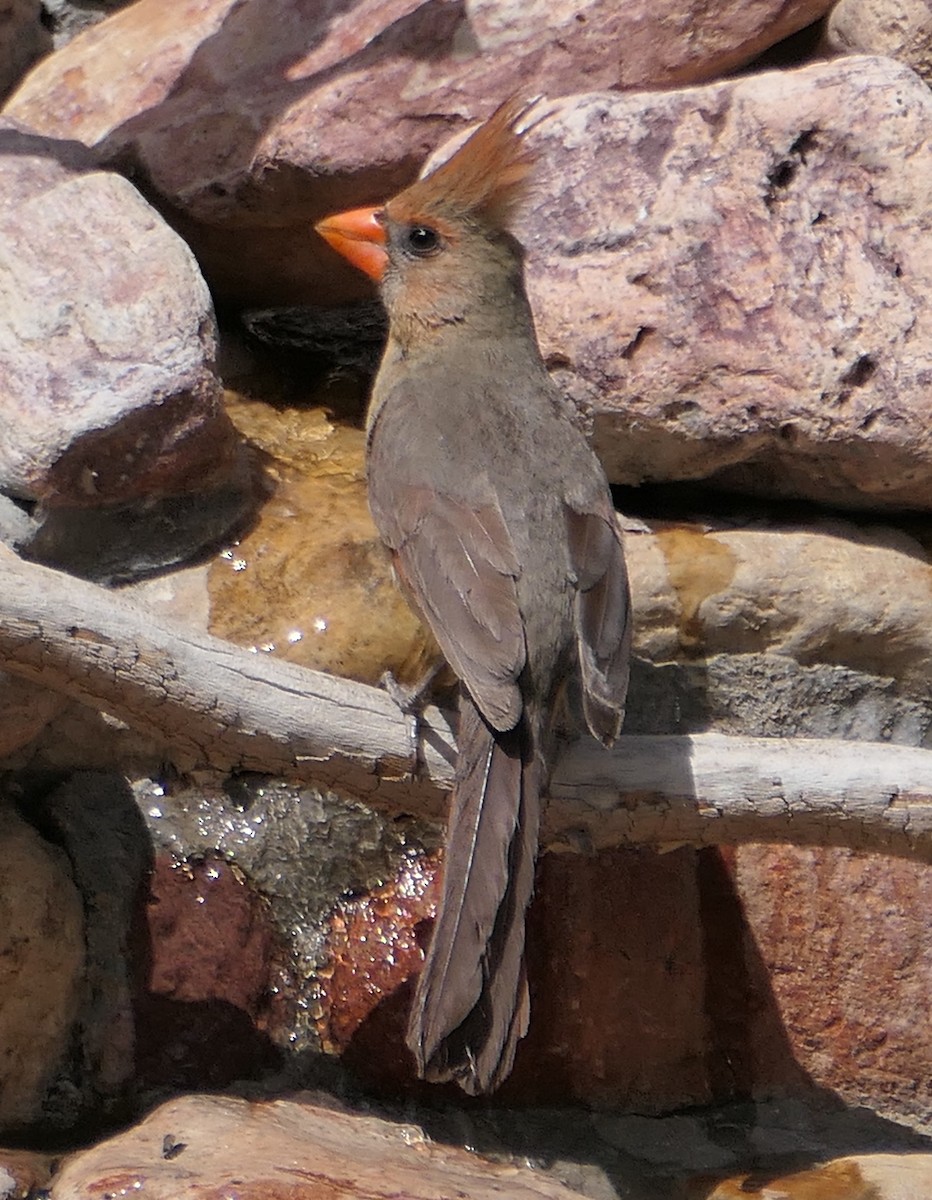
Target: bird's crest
485 178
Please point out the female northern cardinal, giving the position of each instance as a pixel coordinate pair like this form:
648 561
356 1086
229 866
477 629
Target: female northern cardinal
504 540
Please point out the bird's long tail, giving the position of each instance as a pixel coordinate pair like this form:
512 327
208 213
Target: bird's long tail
471 1004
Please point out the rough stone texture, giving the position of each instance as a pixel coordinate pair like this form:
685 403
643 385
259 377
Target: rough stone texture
41 965
845 942
616 972
767 695
733 278
107 343
263 116
897 28
22 40
304 852
374 949
204 1147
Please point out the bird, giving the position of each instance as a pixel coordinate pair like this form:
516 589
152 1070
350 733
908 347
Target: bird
505 541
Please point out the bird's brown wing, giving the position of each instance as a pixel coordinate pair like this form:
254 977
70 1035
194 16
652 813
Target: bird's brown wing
457 564
603 613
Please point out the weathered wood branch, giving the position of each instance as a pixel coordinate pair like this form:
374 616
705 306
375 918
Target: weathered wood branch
218 706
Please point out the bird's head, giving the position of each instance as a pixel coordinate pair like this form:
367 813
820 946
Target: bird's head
440 250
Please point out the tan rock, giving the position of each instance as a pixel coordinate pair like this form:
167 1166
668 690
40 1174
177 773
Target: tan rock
25 710
203 1147
107 339
859 1177
733 279
829 592
23 1173
41 965
898 28
262 117
22 40
844 941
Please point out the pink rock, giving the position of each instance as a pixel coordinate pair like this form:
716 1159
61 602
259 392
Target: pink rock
734 279
106 341
251 120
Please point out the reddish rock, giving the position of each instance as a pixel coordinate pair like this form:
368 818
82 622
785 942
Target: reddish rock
660 981
845 941
213 1147
107 339
250 121
210 979
374 948
617 984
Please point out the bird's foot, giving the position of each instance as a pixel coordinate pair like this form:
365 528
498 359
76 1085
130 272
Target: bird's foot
409 697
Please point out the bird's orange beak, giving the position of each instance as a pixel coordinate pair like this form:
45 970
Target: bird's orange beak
359 236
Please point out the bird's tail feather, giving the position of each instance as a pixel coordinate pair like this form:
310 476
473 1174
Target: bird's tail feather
471 1004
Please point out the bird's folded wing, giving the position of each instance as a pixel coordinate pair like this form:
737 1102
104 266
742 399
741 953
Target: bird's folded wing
458 566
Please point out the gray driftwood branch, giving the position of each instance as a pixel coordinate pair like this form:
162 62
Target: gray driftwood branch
218 706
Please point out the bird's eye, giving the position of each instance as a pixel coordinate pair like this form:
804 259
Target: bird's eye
422 240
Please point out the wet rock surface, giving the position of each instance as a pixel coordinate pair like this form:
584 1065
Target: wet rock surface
311 581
